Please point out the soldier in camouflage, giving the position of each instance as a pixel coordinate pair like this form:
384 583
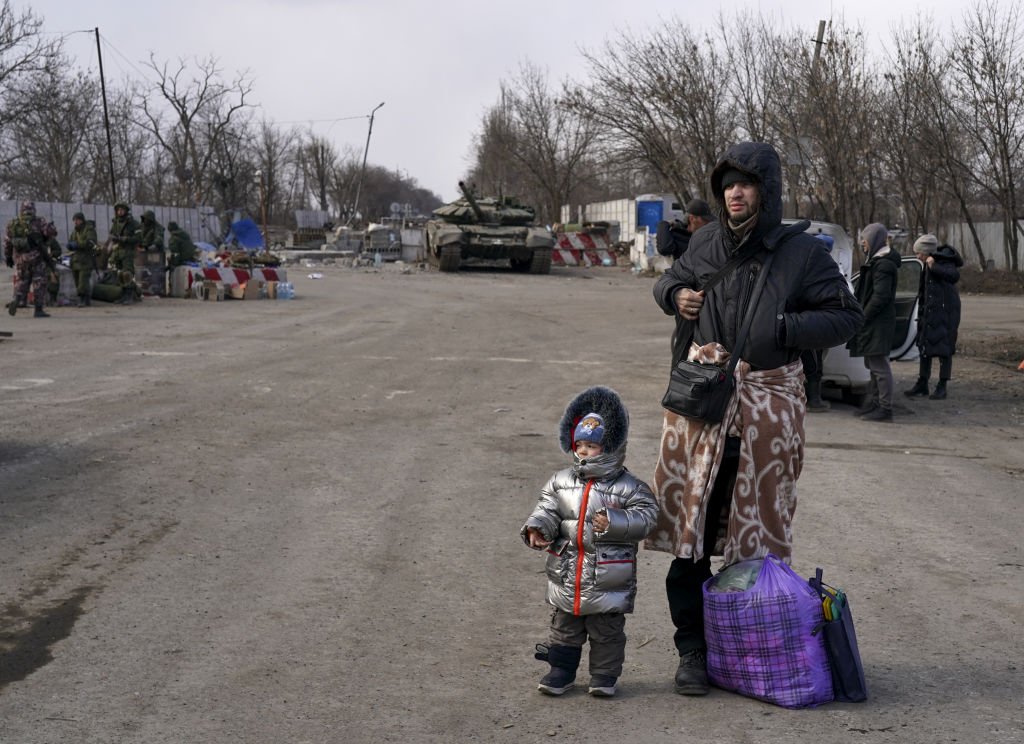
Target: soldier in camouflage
25 249
82 245
53 278
125 234
152 232
180 246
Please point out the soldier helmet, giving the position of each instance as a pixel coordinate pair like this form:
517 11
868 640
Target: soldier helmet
78 216
172 225
28 207
122 205
148 215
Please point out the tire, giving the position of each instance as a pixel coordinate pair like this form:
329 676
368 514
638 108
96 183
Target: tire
853 397
541 263
451 257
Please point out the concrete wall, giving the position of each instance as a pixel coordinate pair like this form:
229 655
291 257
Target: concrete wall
622 211
991 236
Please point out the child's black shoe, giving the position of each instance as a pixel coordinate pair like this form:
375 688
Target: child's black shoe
601 685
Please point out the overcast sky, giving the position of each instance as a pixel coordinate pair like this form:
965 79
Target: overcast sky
436 64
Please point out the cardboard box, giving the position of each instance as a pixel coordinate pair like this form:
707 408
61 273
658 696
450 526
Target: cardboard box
271 288
251 289
235 292
213 291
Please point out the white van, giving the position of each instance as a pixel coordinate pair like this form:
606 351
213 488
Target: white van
845 375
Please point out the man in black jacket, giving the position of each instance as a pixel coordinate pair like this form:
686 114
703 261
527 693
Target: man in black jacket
728 475
673 238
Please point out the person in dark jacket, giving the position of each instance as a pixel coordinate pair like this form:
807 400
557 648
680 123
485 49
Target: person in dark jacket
814 359
938 313
725 488
876 292
673 238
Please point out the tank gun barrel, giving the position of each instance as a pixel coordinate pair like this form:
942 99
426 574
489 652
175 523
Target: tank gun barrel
472 202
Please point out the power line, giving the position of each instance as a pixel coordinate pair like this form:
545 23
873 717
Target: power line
321 121
119 53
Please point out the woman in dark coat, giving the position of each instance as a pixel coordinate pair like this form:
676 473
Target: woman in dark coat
876 292
938 313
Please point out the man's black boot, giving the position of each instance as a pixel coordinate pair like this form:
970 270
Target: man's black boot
869 405
12 307
879 414
940 391
692 673
920 388
40 313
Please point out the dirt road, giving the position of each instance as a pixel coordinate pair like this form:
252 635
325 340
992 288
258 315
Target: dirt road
296 521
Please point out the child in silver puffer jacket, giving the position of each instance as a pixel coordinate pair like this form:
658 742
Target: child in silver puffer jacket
590 519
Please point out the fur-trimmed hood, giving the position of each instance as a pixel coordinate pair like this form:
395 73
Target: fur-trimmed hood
603 401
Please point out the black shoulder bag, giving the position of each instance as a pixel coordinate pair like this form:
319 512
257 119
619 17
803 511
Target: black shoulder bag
702 391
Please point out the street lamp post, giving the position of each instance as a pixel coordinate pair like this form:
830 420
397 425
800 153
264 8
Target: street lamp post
362 171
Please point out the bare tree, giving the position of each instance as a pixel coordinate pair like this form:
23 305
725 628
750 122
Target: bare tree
190 117
275 156
987 85
660 100
754 71
531 139
132 147
494 169
23 49
319 160
924 146
49 140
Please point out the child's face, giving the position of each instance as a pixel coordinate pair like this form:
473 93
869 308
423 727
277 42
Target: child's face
588 449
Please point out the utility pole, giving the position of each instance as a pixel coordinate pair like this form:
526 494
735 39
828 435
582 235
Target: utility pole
819 41
106 121
362 171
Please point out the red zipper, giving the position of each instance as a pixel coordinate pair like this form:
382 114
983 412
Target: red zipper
581 524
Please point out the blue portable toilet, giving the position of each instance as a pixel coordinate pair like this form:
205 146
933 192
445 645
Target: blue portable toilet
650 210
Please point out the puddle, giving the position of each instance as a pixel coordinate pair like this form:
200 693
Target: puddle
25 650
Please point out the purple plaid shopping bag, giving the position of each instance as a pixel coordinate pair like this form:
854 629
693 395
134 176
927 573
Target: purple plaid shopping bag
761 640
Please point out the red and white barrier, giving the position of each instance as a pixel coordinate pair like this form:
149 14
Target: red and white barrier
184 277
582 249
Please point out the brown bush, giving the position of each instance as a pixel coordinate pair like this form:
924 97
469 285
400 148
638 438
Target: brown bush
995 281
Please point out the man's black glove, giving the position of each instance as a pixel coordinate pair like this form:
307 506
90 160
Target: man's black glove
72 245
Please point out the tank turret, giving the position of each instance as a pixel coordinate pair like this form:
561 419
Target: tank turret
471 209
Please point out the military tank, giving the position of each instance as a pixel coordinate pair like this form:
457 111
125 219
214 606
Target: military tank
490 229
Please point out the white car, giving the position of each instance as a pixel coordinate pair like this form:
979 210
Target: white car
845 375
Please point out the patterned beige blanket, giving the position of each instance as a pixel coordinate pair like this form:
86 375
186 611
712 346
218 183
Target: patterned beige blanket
767 414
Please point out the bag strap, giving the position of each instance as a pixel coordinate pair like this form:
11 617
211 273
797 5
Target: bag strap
774 239
739 257
741 338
